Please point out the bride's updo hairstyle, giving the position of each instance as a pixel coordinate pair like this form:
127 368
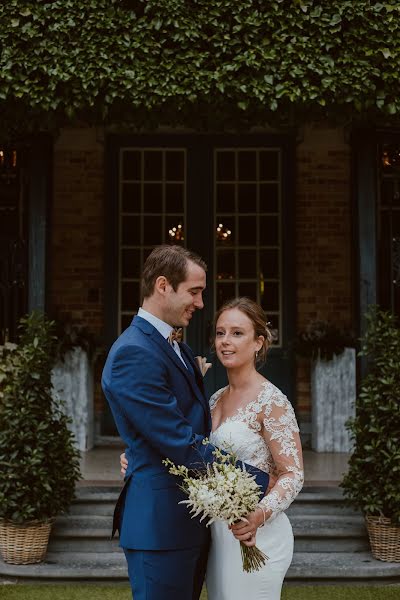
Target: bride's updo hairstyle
255 313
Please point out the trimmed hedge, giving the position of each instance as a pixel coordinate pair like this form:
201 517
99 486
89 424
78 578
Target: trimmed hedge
198 62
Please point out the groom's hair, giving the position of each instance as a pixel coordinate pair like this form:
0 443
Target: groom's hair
170 262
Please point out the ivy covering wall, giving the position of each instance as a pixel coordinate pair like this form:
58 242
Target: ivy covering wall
197 62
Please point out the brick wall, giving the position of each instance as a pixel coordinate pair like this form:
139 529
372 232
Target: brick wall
323 242
77 232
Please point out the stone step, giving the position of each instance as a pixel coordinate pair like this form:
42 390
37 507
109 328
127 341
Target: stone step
313 533
342 567
101 500
320 500
306 567
83 523
94 542
83 534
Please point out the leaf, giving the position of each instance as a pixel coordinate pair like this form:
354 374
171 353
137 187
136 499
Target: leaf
335 19
386 52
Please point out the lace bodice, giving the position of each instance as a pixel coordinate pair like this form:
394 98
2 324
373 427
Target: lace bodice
265 434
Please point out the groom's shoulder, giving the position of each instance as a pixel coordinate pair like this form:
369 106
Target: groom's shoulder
131 336
134 335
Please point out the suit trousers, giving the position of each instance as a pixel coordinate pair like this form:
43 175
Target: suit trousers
167 574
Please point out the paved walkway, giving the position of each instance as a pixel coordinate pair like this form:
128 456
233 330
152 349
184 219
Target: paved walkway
101 466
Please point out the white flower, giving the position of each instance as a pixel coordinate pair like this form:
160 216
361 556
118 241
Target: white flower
223 491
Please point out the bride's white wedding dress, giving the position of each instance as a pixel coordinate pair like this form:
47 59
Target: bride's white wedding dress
262 435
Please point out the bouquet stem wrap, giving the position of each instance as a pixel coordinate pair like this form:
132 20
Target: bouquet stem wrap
252 558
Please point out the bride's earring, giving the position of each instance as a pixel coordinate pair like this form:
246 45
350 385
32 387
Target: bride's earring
256 354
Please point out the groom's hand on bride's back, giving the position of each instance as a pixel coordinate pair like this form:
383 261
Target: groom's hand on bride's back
124 463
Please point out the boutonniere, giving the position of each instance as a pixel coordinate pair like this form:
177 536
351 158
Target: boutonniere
203 364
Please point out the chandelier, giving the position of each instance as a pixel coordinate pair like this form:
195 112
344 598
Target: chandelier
176 233
223 233
8 165
391 156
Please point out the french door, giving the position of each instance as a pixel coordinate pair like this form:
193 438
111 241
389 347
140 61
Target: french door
227 197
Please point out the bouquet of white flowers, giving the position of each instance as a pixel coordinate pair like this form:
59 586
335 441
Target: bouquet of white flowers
222 491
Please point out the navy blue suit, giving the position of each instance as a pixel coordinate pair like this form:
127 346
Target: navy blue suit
160 410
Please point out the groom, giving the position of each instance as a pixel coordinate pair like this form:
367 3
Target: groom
156 394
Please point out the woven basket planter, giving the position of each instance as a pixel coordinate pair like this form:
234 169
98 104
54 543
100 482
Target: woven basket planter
384 539
24 544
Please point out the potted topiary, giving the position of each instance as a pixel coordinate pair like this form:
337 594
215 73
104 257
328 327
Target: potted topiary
333 383
372 483
39 465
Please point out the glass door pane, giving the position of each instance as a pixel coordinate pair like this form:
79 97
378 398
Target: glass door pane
247 192
152 211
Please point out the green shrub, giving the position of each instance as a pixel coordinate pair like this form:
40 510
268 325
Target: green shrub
373 480
38 462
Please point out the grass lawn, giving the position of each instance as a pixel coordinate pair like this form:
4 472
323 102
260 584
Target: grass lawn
118 592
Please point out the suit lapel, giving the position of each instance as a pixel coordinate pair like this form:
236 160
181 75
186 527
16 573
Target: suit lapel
187 355
164 346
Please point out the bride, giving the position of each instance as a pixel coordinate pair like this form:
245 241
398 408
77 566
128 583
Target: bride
253 418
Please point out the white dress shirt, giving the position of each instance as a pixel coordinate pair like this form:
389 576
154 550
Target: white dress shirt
162 327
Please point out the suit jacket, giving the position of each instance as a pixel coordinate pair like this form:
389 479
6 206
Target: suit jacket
160 411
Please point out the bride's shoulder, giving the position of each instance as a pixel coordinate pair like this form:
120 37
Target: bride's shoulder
270 395
215 397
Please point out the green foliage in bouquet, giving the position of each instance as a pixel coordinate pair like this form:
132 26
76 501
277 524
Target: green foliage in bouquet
39 465
322 340
372 483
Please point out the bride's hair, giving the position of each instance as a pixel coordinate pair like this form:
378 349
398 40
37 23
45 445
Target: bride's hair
257 316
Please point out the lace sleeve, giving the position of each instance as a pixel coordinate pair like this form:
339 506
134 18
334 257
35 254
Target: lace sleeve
281 434
215 397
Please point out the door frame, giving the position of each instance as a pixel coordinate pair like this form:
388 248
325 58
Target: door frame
200 176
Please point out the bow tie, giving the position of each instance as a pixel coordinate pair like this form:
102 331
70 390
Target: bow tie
175 335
